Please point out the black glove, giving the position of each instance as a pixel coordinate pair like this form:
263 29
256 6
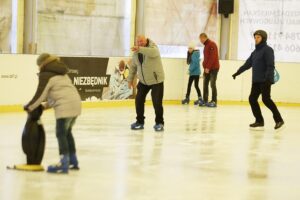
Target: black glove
234 75
25 108
268 82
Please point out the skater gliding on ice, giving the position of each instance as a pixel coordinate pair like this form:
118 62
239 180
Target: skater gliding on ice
147 65
262 62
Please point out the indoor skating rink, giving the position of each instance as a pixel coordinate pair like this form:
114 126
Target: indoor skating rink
204 153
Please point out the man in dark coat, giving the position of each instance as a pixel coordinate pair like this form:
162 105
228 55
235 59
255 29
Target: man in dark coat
262 62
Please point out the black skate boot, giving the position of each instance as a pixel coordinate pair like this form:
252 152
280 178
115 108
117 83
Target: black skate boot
185 101
259 126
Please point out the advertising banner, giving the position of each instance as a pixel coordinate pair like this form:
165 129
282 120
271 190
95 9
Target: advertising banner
88 75
95 78
279 18
99 78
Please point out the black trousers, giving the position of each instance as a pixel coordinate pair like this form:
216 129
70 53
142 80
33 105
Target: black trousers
212 78
265 90
157 93
195 79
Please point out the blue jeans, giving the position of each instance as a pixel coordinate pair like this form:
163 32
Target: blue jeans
64 135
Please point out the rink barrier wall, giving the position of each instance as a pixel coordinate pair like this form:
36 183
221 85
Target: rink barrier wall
130 103
18 81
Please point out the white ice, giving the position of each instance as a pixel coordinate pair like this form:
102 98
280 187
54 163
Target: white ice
207 154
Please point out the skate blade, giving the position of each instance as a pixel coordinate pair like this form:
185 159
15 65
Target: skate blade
25 167
280 129
257 128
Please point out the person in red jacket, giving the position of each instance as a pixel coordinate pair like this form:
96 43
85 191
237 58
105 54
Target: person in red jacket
211 67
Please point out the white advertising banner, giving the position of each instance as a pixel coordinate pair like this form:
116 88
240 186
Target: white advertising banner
279 18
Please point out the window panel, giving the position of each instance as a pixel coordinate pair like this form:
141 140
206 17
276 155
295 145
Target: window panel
172 24
84 27
5 25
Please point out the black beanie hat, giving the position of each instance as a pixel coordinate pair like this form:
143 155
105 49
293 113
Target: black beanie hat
262 33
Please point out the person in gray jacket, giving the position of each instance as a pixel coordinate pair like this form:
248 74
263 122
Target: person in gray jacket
147 65
57 89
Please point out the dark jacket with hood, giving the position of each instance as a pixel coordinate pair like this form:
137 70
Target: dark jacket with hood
262 62
57 89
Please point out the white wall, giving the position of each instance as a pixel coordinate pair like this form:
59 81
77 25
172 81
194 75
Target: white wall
18 80
286 90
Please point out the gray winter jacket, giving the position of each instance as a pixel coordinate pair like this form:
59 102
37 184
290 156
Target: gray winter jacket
56 87
147 65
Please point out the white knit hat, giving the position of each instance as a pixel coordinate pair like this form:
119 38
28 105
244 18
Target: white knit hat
192 45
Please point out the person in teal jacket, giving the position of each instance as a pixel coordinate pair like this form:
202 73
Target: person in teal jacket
193 60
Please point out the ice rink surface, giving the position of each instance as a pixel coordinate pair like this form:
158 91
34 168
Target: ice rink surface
204 153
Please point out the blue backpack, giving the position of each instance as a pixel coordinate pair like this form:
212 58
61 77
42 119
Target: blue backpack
276 76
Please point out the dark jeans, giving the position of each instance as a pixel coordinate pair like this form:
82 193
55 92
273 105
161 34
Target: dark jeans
157 93
196 84
265 90
64 135
212 78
